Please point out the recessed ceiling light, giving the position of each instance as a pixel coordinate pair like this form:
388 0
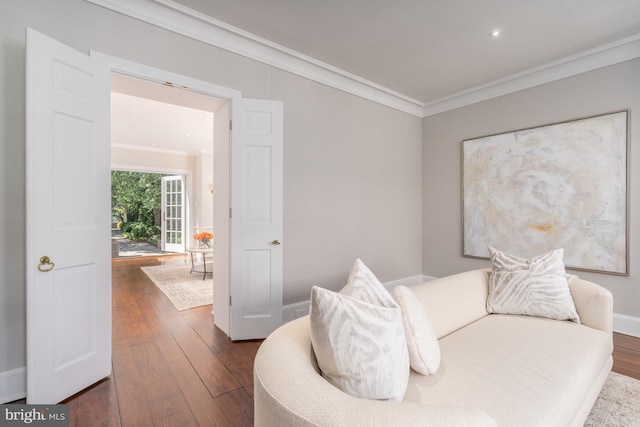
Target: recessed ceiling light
496 33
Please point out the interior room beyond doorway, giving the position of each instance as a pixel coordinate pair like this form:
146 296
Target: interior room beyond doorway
158 128
165 130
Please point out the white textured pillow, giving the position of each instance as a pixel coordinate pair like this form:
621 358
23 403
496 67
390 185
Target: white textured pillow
360 347
365 286
424 349
532 287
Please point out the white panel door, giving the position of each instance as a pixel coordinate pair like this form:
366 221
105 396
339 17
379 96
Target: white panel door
68 255
256 222
173 213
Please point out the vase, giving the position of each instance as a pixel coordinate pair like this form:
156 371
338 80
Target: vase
204 243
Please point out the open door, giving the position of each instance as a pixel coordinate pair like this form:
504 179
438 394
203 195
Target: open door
256 220
68 221
173 213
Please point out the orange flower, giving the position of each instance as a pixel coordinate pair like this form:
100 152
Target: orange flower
203 235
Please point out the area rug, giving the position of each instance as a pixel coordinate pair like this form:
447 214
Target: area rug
184 290
618 404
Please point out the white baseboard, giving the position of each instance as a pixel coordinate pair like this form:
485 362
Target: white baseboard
628 325
299 309
408 281
13 385
293 311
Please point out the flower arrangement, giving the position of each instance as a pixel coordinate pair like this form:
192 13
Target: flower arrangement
204 239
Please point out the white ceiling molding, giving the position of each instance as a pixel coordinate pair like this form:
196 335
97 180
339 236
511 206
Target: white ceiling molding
179 19
610 54
160 150
187 22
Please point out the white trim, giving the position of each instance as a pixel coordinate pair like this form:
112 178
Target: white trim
299 309
293 311
151 169
179 19
13 385
407 281
155 150
609 54
628 325
144 72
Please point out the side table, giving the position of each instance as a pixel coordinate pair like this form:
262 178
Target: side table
203 268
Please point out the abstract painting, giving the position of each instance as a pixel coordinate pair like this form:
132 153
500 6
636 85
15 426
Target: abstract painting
562 185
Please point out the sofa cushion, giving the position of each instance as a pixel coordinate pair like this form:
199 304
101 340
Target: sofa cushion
454 301
520 370
289 391
532 287
360 347
424 350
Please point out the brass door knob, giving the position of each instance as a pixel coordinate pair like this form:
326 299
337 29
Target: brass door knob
276 242
45 264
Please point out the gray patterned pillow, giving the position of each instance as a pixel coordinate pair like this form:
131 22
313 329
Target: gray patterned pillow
358 337
531 287
363 285
360 347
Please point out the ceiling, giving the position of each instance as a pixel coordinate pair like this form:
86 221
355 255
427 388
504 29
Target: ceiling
150 116
424 51
429 50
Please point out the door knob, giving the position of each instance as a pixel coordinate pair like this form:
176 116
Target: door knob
45 264
276 242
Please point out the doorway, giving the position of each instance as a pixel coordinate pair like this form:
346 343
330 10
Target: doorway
157 128
257 157
74 89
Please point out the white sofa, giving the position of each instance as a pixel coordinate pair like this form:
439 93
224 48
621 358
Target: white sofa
504 370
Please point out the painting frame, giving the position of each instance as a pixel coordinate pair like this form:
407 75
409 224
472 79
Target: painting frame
558 185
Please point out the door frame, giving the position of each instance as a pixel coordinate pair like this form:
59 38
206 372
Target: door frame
222 200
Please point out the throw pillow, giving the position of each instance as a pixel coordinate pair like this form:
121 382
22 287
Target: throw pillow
424 349
365 286
360 347
532 287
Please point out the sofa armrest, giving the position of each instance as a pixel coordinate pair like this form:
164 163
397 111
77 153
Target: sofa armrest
593 303
289 391
360 412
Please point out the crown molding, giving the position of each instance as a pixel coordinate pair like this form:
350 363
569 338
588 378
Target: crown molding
179 19
159 150
603 56
187 22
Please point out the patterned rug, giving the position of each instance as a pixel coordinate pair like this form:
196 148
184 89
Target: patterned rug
184 290
618 404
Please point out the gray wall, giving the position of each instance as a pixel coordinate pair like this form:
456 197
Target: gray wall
609 89
352 167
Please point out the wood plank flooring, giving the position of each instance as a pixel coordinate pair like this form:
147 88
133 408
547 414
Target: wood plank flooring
170 368
175 368
626 355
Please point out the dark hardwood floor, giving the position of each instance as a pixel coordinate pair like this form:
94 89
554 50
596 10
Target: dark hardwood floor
175 368
170 368
626 355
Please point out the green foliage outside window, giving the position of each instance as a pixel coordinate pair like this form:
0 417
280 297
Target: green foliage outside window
135 199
